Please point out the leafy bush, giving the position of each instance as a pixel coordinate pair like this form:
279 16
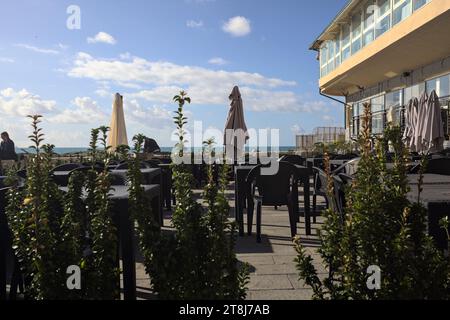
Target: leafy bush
380 228
52 230
197 260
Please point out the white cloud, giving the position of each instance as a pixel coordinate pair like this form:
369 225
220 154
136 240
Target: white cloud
205 86
63 46
218 61
194 24
22 103
102 37
155 116
297 129
103 93
237 26
328 119
37 49
162 73
84 111
6 60
125 56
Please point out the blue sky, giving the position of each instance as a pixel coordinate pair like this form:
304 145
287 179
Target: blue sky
147 50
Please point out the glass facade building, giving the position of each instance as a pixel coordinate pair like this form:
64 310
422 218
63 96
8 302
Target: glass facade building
369 21
397 100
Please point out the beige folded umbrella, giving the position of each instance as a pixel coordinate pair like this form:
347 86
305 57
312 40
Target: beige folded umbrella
118 134
411 124
420 123
236 124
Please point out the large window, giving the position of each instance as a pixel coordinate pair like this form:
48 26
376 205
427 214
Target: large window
356 32
378 123
377 104
369 22
441 85
413 92
402 10
383 17
338 52
395 101
345 43
419 3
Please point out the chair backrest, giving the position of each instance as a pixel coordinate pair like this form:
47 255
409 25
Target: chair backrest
348 156
124 166
67 167
320 181
346 178
274 189
117 180
153 163
350 167
294 159
22 173
338 201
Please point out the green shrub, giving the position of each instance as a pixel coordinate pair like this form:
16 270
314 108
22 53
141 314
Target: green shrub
52 230
380 228
197 259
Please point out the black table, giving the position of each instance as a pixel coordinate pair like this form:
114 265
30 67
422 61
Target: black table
61 177
150 176
436 198
125 226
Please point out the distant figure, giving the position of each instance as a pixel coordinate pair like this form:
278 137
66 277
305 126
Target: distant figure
7 148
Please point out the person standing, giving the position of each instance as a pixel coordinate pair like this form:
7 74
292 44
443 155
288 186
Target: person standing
7 148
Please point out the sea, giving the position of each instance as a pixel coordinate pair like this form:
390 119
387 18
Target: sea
62 151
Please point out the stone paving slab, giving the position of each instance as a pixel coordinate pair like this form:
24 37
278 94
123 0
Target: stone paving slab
270 282
273 272
303 294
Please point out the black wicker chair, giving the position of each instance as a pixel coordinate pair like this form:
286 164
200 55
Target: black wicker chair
272 190
124 166
319 189
67 167
294 159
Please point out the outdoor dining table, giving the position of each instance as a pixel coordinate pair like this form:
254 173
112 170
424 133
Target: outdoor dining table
61 177
125 227
436 198
150 176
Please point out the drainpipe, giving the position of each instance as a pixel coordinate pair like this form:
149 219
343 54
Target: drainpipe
339 101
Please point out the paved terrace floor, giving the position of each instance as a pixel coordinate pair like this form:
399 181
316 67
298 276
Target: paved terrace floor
273 272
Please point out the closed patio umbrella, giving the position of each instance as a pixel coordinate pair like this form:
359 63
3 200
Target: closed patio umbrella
118 133
410 124
433 128
420 123
236 134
